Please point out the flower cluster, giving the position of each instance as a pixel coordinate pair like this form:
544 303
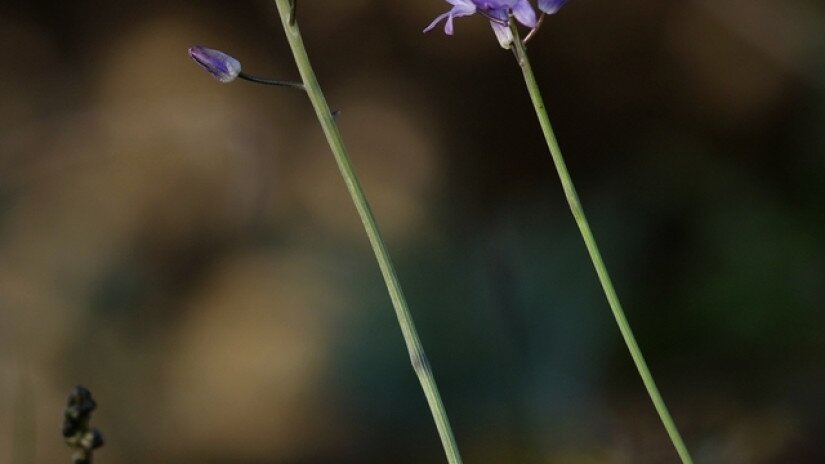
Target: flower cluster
498 12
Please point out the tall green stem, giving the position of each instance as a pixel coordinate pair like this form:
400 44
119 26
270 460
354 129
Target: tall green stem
593 249
418 358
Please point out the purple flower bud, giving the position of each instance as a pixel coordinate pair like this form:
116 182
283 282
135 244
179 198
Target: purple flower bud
220 65
551 6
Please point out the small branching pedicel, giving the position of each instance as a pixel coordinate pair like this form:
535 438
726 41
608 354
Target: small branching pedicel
503 16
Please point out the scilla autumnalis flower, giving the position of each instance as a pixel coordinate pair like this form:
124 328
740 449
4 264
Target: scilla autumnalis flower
217 63
497 11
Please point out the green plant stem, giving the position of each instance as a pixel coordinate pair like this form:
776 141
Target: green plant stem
593 249
417 356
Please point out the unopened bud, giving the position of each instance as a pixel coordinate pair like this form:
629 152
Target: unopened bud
220 65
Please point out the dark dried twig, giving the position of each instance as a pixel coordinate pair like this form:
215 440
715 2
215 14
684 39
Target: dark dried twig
76 431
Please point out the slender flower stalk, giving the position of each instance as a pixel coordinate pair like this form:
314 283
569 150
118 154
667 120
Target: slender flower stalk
595 256
521 11
265 81
418 358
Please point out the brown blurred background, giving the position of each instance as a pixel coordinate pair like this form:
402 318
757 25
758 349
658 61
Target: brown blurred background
187 250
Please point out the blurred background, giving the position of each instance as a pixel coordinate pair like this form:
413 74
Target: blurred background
187 250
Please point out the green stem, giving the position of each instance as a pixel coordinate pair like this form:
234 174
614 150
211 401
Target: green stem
593 249
417 356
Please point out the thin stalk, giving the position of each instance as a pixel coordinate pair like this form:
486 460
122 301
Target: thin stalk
593 249
417 356
262 80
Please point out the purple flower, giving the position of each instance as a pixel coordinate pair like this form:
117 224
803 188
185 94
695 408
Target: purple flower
551 6
220 65
498 11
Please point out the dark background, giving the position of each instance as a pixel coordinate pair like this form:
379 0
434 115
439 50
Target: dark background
188 251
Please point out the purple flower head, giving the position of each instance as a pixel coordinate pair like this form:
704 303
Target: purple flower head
220 65
498 11
551 6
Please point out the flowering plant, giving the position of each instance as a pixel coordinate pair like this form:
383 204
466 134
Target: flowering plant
503 16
